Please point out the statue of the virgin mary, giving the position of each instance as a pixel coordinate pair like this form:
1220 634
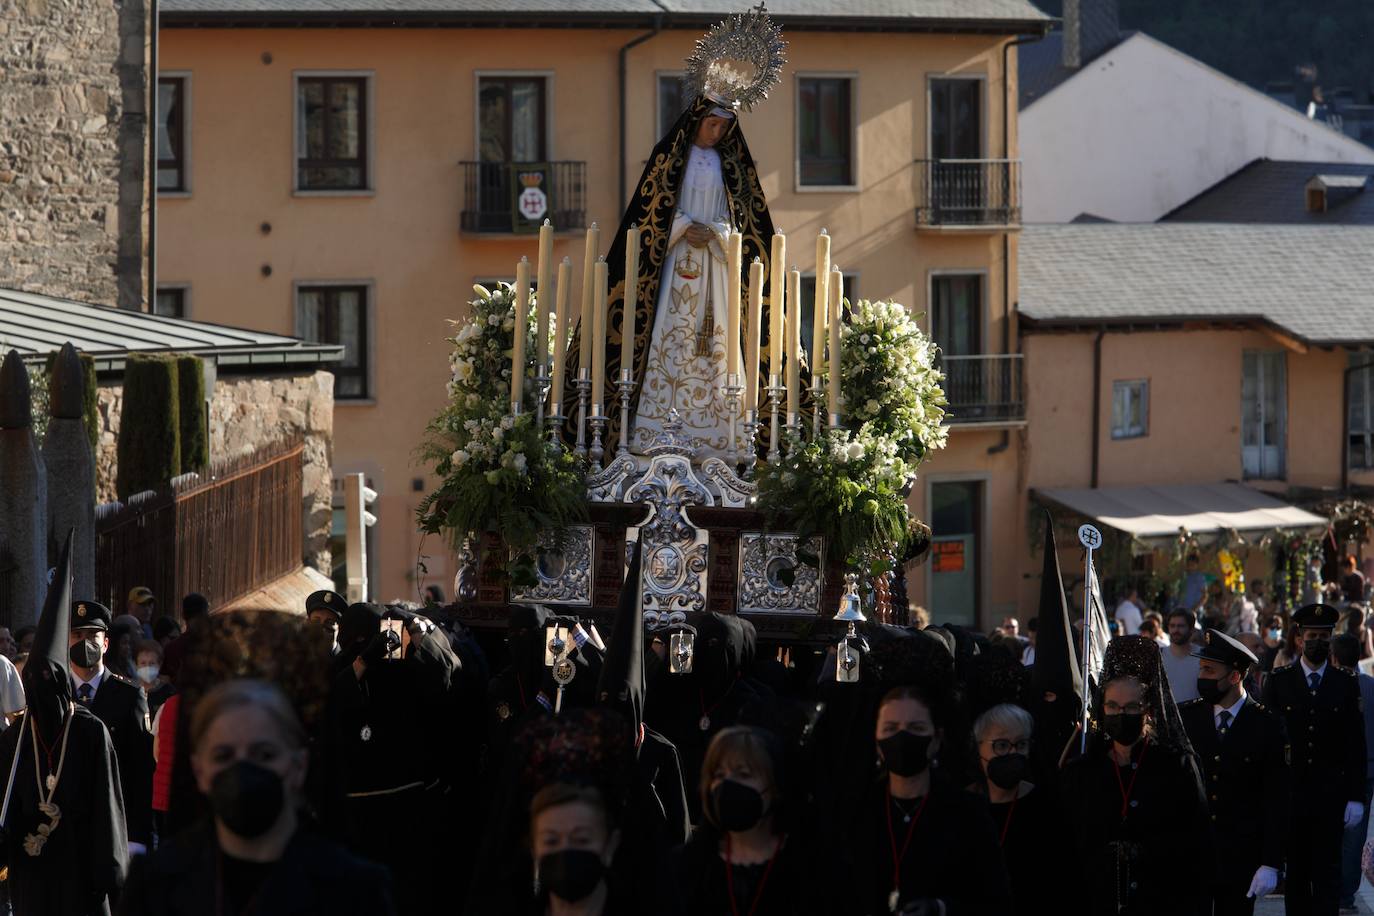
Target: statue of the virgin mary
700 184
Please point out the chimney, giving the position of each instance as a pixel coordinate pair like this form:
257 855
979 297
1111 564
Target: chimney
1090 27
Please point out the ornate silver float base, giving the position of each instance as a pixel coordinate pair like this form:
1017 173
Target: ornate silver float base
762 557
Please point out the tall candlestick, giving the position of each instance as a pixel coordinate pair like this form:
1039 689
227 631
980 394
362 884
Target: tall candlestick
733 256
584 350
776 303
560 335
543 295
627 317
835 293
793 345
522 305
819 308
598 335
751 359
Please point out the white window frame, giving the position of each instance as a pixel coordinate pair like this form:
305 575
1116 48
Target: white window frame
854 151
1266 473
660 75
370 310
187 122
1364 379
982 110
185 289
550 106
370 178
1130 432
984 544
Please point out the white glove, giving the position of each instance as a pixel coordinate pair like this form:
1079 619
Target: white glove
1353 812
137 849
1264 882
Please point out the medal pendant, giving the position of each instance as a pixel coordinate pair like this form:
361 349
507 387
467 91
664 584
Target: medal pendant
704 723
366 733
558 701
50 782
892 900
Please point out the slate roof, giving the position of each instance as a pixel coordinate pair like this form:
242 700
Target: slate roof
36 325
1270 191
994 15
1312 282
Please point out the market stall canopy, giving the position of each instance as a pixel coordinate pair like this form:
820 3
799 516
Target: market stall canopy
1159 512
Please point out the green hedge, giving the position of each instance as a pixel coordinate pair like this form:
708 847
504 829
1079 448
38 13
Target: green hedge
149 424
90 403
195 439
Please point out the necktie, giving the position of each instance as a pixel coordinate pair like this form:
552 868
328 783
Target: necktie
84 693
1314 679
1223 720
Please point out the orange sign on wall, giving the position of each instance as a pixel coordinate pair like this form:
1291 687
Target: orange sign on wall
949 556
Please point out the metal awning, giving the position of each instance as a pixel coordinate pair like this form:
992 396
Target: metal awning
1159 512
37 325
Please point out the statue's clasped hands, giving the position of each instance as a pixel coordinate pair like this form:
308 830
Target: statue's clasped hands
699 235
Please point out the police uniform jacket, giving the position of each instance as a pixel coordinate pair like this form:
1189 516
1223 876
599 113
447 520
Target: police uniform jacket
1325 732
1243 771
123 707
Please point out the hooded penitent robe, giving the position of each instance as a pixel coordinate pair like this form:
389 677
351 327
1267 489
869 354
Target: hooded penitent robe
671 194
86 854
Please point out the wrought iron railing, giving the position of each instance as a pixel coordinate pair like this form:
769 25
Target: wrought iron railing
984 389
224 535
495 196
969 192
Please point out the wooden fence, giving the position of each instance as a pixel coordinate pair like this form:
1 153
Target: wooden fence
232 531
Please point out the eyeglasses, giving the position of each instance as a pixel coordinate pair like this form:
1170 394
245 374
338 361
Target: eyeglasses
1001 747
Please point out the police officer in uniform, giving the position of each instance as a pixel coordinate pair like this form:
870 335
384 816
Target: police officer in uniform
1244 755
1320 705
325 610
123 707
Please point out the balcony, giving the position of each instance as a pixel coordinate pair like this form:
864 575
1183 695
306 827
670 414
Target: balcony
506 198
969 193
984 390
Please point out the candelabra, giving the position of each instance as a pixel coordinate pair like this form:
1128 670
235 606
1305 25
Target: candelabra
626 386
732 389
584 392
596 452
541 387
775 395
751 432
818 403
555 420
794 425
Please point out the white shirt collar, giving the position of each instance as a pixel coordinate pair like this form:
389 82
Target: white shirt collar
1233 709
94 681
1308 670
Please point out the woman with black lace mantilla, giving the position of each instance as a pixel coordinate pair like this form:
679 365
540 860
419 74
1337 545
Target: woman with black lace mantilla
1134 799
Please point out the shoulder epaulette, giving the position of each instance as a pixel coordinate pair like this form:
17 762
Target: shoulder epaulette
1193 702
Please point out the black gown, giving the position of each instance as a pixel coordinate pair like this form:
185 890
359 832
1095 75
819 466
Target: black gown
699 884
85 859
1157 858
1033 840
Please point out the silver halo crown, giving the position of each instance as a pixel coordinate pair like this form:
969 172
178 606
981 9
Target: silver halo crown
737 61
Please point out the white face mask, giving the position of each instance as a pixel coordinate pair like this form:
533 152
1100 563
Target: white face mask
148 673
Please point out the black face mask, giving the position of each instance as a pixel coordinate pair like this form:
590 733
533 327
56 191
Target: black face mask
1007 771
571 874
906 754
738 807
1316 651
247 798
1124 727
87 653
1212 690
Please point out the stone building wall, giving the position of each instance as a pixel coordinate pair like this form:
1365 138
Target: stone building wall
246 414
73 149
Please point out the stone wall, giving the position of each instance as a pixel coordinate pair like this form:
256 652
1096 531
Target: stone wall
73 148
246 414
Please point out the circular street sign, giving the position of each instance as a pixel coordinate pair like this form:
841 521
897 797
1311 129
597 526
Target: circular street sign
1090 537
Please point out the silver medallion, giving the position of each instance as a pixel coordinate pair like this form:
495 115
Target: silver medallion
366 733
704 723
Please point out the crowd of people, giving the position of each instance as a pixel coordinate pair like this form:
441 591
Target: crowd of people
375 759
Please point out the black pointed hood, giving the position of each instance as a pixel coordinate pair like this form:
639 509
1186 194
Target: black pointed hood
621 686
1056 659
47 679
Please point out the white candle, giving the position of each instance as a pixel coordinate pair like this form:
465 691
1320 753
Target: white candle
560 335
835 294
584 348
733 256
776 304
793 343
598 335
751 385
819 307
543 297
522 305
627 320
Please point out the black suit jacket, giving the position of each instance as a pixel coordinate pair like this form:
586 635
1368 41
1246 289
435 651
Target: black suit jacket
1244 773
1325 730
123 707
